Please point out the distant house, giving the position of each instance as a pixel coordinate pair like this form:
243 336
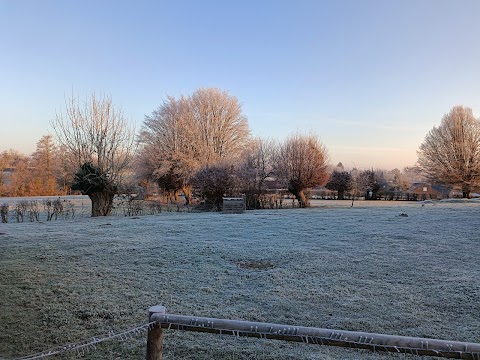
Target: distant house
445 191
6 174
424 191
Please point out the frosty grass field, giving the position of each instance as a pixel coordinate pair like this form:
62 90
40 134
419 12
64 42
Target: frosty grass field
363 268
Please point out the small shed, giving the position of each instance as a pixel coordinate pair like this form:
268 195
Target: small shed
234 205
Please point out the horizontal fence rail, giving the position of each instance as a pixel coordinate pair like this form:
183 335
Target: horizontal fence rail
309 335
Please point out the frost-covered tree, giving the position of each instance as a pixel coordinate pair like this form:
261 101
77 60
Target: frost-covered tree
186 134
169 155
340 181
302 164
220 128
256 166
412 174
450 153
100 145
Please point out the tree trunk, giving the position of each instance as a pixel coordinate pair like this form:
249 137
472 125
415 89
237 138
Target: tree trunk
101 202
300 196
187 191
341 194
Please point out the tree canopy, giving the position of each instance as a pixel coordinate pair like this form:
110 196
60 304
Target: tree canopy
302 164
340 181
186 134
450 153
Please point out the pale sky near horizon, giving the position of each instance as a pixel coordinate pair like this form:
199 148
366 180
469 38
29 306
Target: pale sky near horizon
370 77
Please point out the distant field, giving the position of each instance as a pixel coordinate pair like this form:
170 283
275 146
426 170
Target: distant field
363 268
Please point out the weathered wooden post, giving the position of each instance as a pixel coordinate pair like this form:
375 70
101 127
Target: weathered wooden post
155 335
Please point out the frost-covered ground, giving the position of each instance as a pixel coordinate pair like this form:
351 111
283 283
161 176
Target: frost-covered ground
363 268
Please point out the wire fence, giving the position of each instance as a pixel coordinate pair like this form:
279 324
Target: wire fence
83 347
159 321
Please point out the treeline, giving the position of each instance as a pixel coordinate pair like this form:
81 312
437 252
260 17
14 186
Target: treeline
201 145
43 173
203 142
373 184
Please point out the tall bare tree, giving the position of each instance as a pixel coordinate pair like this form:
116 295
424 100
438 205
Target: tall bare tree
170 154
100 144
450 153
302 164
218 122
256 165
186 134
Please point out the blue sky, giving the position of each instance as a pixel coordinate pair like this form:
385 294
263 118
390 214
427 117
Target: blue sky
370 77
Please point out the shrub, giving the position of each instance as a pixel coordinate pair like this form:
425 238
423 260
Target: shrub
20 210
215 182
4 212
53 208
33 211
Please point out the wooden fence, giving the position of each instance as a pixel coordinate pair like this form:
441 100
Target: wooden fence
352 339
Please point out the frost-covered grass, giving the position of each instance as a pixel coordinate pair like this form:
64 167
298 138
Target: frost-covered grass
363 268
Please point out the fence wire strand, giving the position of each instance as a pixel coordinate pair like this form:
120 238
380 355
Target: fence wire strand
88 345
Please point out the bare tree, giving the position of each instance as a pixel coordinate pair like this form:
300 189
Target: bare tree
413 174
220 128
450 153
100 145
65 170
302 164
170 154
256 166
189 133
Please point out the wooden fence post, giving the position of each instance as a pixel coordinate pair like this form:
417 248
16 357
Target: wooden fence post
155 335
